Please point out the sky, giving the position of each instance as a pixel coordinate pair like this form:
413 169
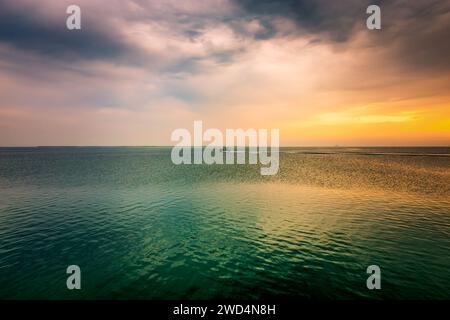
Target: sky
137 70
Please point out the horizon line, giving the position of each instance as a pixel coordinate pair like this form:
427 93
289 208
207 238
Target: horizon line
171 146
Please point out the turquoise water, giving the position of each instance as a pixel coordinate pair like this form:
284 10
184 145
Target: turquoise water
140 227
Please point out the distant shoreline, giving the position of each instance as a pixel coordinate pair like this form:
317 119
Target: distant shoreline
412 151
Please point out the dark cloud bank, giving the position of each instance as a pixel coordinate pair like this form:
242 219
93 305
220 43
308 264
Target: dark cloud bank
416 31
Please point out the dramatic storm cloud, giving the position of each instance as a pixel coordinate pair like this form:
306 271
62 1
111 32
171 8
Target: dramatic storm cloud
139 69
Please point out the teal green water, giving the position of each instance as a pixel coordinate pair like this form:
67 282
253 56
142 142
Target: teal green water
140 227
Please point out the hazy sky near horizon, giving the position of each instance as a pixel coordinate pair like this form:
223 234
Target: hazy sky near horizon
140 69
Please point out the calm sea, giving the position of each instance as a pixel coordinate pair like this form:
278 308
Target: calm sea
140 227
